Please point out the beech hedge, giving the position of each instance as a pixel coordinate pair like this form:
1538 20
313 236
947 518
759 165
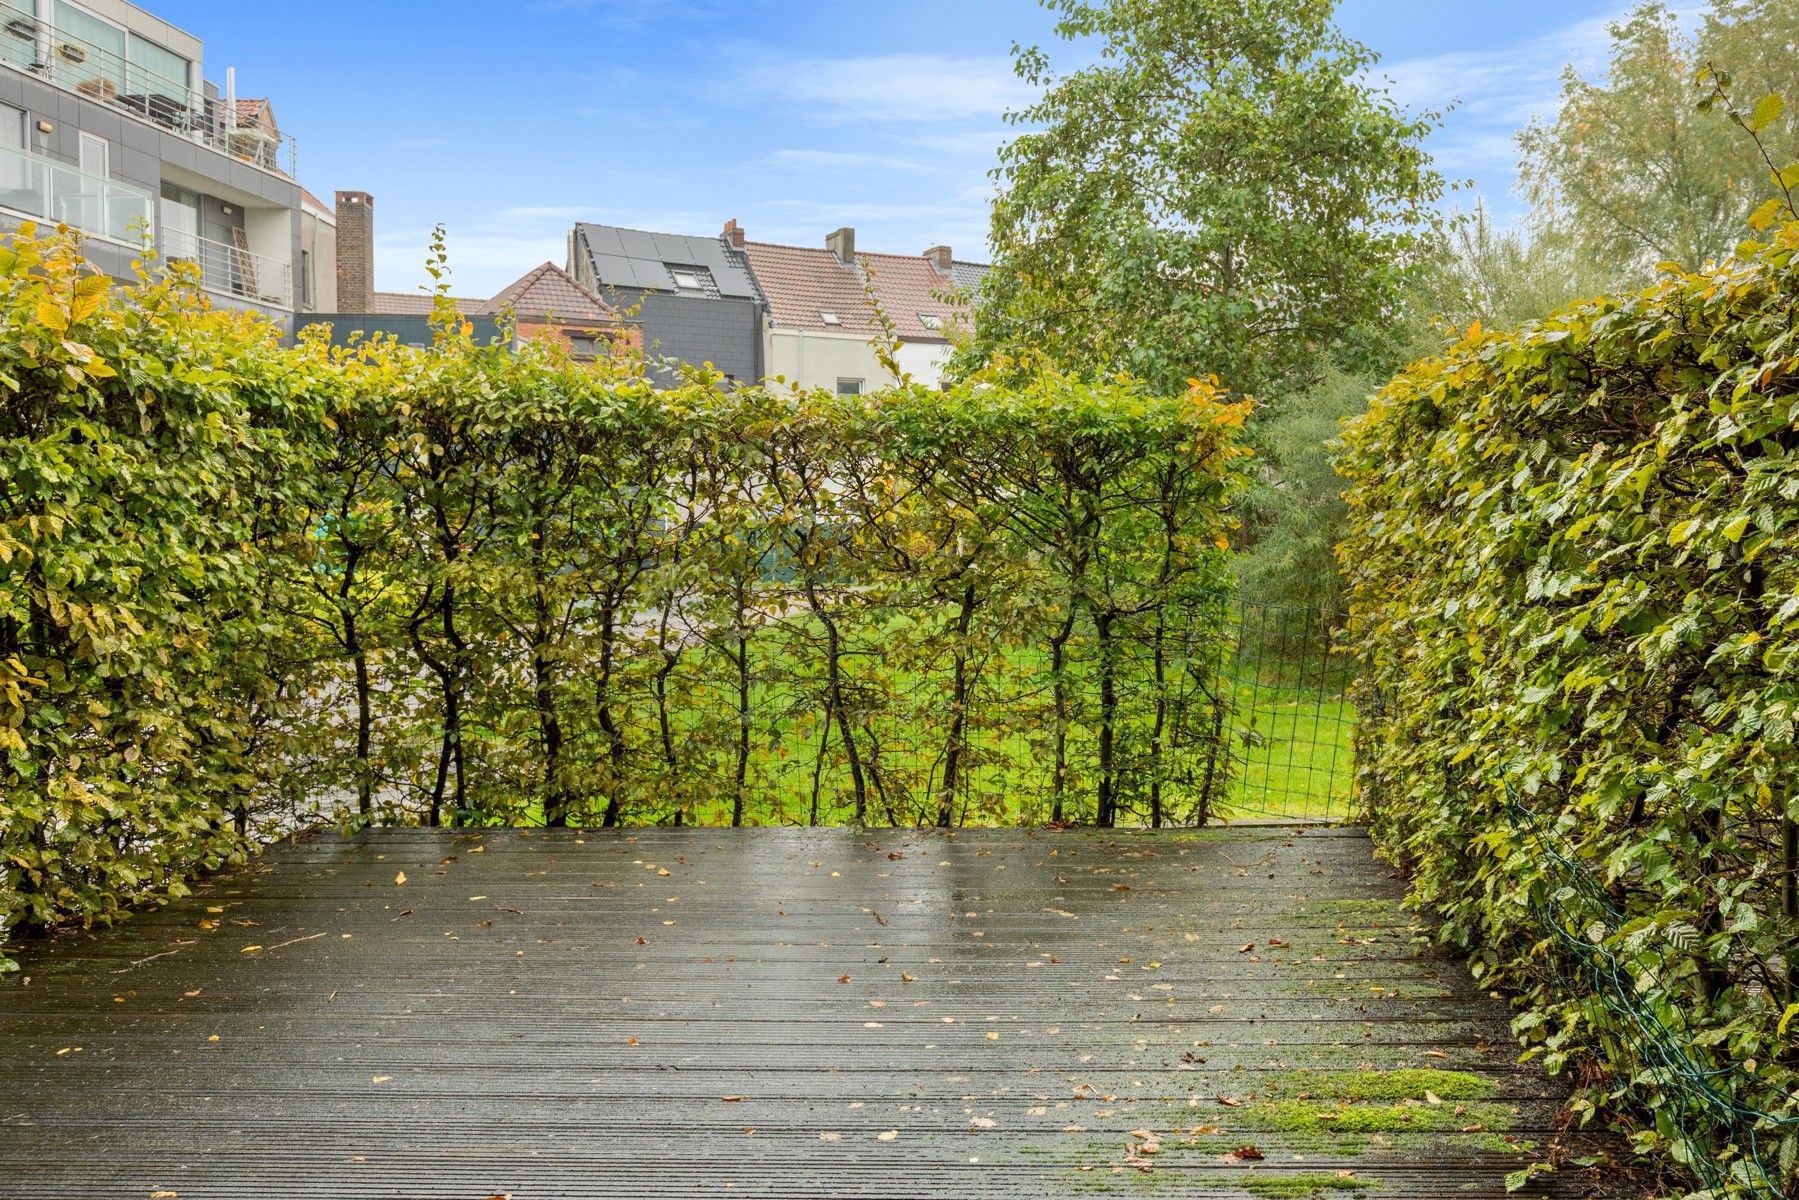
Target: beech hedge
1574 566
246 587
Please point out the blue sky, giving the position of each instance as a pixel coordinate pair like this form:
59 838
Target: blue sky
508 121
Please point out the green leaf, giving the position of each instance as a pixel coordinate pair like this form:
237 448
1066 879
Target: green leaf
1767 111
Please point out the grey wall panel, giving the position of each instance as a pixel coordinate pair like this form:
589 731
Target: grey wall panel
410 330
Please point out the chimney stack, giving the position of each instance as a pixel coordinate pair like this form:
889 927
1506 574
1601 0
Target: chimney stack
355 251
843 245
941 258
733 234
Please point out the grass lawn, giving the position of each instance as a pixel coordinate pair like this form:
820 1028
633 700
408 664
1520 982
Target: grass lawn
1295 754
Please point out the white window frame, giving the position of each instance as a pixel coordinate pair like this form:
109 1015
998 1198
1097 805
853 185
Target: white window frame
853 388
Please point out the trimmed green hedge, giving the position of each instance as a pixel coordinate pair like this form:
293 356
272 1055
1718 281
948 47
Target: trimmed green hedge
244 587
1574 562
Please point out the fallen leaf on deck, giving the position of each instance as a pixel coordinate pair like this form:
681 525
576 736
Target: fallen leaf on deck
399 879
887 1136
1248 1154
381 1079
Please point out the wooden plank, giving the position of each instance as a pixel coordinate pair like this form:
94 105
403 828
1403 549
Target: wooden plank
794 1013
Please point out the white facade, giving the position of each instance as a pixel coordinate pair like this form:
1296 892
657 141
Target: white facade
807 360
924 361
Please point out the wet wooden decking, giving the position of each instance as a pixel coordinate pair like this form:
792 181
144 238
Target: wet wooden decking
667 1013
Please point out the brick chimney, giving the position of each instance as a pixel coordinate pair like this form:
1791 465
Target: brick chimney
355 251
733 234
941 257
843 245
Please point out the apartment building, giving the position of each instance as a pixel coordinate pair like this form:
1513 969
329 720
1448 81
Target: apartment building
109 124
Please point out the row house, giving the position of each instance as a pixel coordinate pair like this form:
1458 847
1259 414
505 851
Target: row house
798 315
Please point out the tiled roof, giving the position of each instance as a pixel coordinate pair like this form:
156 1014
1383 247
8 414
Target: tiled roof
910 288
325 210
414 304
801 284
549 291
967 276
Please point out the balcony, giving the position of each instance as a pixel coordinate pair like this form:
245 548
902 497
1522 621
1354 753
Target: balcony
70 61
232 270
55 192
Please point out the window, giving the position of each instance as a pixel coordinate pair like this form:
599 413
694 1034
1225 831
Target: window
930 320
581 345
690 279
16 190
305 279
89 52
156 71
829 317
180 222
849 387
18 38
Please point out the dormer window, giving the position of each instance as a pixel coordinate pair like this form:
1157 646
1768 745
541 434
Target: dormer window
829 317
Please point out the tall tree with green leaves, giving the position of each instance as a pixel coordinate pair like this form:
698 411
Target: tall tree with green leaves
1637 168
1221 192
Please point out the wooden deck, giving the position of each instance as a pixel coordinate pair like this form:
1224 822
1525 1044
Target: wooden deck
663 1013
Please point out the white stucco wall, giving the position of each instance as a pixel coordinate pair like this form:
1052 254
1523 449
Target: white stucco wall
809 360
924 361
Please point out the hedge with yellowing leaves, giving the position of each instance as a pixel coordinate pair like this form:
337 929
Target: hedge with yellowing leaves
246 587
141 445
1574 562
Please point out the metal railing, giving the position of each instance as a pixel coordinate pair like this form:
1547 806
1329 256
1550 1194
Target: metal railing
232 270
56 192
38 48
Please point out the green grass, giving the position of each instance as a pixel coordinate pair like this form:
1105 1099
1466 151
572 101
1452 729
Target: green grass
1288 734
1297 759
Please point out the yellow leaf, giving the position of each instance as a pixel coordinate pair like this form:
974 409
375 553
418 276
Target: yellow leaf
399 879
380 1078
52 317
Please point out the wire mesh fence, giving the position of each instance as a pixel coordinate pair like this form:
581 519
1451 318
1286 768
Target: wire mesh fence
1291 714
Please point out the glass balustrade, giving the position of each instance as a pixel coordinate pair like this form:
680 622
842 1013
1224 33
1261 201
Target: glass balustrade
56 193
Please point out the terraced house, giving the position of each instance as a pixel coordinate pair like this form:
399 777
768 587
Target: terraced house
109 124
825 305
805 316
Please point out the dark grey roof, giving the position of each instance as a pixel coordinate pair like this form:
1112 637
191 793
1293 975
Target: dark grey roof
967 275
637 258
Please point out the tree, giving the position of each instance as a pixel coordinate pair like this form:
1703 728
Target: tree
1638 170
1219 194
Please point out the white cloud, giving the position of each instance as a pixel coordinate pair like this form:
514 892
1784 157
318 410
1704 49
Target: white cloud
890 87
1492 94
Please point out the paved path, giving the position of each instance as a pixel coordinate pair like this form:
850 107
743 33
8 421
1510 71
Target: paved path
777 1013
